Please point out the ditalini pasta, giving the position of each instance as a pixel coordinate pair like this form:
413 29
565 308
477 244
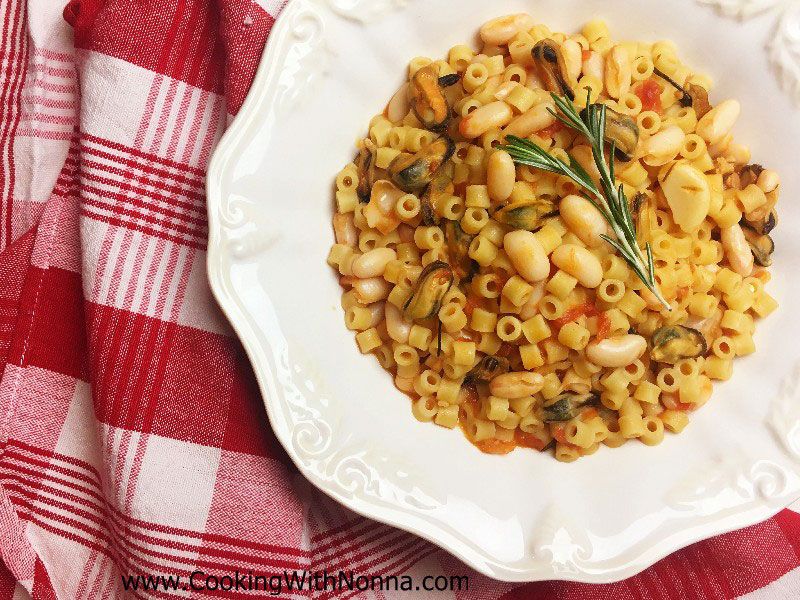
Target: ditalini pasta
499 295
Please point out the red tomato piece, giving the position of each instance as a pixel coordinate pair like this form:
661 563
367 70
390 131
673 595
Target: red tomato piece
588 310
603 326
528 440
649 93
495 446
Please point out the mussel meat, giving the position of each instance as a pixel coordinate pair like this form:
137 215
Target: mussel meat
458 243
762 246
433 283
566 406
676 342
699 96
764 225
447 81
548 56
413 172
440 187
749 175
366 170
428 101
622 131
529 215
379 212
636 203
487 369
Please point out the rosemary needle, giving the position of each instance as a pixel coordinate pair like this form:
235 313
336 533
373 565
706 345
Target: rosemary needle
610 200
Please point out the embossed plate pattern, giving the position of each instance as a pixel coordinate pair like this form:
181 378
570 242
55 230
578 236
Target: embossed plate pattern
329 66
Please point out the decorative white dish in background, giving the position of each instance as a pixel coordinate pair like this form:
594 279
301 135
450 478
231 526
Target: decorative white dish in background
329 66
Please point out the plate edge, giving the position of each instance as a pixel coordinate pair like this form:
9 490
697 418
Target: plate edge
228 305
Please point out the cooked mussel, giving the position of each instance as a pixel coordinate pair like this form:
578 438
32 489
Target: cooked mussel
549 58
440 187
365 163
487 369
566 407
529 215
433 283
748 175
676 342
447 81
458 242
637 202
762 246
622 131
699 97
428 101
764 225
692 94
412 173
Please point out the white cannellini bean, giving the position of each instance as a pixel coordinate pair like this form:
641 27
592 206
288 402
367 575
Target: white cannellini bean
583 154
617 351
738 154
376 311
513 386
580 263
718 149
573 59
345 230
397 326
583 219
531 308
618 72
594 66
535 119
371 290
718 122
373 263
379 212
503 29
688 194
664 144
399 105
737 250
527 255
501 175
768 181
490 116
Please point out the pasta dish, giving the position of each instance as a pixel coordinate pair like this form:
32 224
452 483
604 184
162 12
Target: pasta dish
553 241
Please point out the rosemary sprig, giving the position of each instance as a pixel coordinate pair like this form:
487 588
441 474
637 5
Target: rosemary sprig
610 200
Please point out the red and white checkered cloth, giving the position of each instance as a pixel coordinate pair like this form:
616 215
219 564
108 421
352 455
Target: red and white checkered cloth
132 436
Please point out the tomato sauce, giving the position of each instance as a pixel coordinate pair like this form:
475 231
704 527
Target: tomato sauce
587 309
473 301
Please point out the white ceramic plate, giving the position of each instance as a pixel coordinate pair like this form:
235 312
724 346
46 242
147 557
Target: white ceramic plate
329 66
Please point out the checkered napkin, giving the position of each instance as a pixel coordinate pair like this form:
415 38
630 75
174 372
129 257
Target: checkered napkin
132 437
